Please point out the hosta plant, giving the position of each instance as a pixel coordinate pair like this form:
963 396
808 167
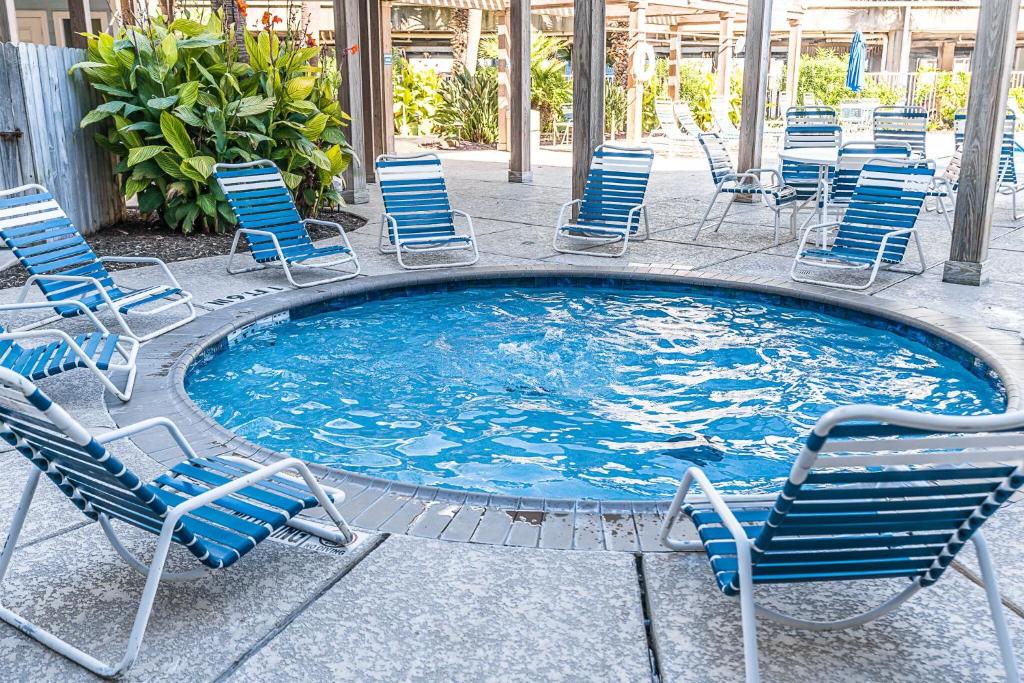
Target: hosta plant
177 100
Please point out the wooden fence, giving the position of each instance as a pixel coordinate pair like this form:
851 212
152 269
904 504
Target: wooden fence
40 138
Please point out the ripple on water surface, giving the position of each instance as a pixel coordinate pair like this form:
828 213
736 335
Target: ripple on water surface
574 392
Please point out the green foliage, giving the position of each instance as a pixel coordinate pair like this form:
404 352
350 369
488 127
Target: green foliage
823 78
696 89
615 102
469 106
177 100
949 90
656 87
886 94
550 88
417 97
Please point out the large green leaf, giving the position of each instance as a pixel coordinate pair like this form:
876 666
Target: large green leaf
188 116
315 126
203 165
177 135
133 186
149 127
208 204
161 103
150 200
169 165
140 154
250 106
187 27
169 50
300 88
189 93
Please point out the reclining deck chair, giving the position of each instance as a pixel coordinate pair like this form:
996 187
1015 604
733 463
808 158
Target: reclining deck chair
218 508
267 216
418 216
1009 183
876 493
945 186
721 120
613 201
851 159
901 126
669 127
66 270
876 228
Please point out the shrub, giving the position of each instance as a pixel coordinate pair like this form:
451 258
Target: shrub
177 100
550 87
696 89
469 106
416 98
823 78
615 103
949 91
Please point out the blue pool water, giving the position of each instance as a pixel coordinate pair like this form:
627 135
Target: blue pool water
569 391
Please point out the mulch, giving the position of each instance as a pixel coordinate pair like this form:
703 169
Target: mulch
137 236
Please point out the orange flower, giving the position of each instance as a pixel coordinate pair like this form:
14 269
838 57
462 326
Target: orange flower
243 7
265 19
354 49
310 40
277 19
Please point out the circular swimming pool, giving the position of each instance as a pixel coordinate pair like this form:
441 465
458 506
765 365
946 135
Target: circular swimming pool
570 389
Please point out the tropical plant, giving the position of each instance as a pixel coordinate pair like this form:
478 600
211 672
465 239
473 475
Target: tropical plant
550 87
615 103
177 100
696 88
468 109
655 87
417 97
948 91
823 78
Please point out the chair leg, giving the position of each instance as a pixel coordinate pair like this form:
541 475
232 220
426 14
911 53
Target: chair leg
732 198
995 604
18 522
707 212
748 613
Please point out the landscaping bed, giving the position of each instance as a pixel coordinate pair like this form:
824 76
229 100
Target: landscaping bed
136 236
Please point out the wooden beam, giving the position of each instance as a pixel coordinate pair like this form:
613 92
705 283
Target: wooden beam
726 31
81 22
793 62
634 86
905 41
8 22
588 60
519 167
370 62
472 55
504 85
983 138
350 95
387 89
755 82
674 55
947 52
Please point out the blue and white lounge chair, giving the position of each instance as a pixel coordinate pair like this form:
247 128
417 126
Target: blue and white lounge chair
811 115
669 128
612 205
851 159
803 177
218 508
901 125
98 351
876 493
418 216
66 270
879 222
721 120
1009 183
775 194
945 186
267 216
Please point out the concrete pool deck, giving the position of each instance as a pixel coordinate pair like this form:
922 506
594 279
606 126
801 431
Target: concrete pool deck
404 606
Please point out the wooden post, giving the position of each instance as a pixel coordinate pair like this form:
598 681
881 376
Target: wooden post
503 81
473 39
755 82
128 17
793 62
674 55
905 40
519 168
634 86
8 22
370 62
81 22
588 60
726 29
387 87
947 51
350 95
983 138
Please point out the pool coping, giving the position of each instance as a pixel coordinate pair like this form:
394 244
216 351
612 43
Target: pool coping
378 504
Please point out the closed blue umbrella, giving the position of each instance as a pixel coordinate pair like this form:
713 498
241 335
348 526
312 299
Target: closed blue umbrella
855 71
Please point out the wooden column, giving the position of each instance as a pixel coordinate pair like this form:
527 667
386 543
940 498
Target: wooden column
387 87
519 167
755 82
947 51
903 65
476 17
503 81
726 29
674 55
81 22
371 63
128 17
793 62
634 86
983 137
350 95
8 22
588 60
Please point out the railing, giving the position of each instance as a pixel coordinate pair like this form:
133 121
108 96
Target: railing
41 142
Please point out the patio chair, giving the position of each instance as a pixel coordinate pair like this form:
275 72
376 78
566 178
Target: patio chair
901 125
563 128
805 178
668 125
879 222
218 508
851 160
276 233
876 493
66 270
96 351
775 194
1009 183
612 203
418 217
812 115
684 115
723 124
944 187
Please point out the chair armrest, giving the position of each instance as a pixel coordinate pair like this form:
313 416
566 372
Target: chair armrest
84 279
810 228
152 260
317 221
561 211
33 305
776 176
712 496
144 425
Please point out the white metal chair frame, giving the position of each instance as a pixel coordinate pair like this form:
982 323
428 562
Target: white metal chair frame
725 506
310 264
413 245
109 305
128 352
944 188
669 127
154 572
